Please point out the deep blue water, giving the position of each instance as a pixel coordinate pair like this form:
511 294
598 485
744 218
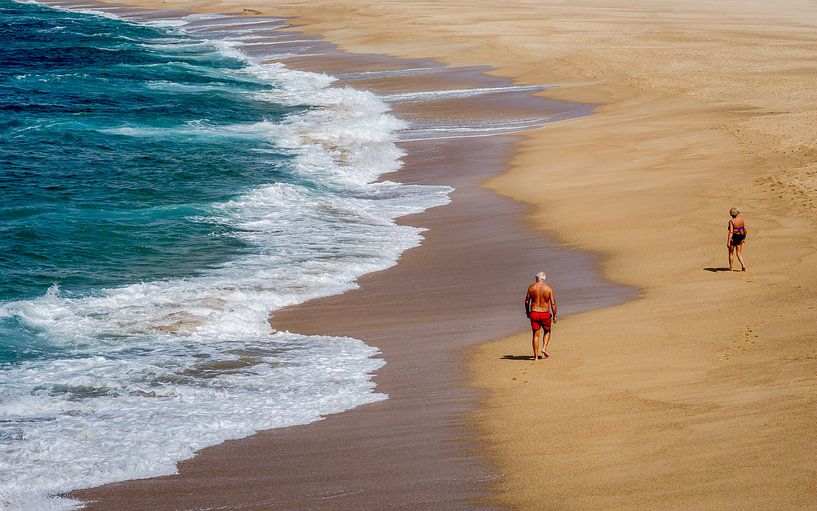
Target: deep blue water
107 167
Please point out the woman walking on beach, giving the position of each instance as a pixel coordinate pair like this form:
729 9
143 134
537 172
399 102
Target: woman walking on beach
736 238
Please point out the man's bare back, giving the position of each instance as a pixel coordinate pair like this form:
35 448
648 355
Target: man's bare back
539 296
540 307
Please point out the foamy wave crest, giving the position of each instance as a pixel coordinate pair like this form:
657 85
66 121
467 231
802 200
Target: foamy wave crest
144 375
135 409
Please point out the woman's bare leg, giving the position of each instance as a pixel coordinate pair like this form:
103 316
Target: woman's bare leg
731 256
739 250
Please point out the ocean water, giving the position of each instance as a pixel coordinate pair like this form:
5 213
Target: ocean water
160 194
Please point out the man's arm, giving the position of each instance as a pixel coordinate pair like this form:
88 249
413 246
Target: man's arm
553 304
527 303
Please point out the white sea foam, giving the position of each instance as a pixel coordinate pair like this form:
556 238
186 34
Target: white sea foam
267 42
262 35
390 73
144 375
196 20
133 410
458 93
234 24
466 129
228 31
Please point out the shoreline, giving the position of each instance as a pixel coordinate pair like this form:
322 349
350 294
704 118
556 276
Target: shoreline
443 465
700 113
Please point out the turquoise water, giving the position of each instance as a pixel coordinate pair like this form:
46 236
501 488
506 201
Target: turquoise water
160 195
86 205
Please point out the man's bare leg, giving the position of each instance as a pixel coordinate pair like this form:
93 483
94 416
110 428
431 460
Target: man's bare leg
545 341
535 344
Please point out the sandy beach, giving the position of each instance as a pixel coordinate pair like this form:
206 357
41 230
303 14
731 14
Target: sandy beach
700 394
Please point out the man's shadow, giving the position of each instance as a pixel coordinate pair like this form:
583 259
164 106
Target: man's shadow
716 270
517 357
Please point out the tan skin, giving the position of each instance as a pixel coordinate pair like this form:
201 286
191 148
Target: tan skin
540 297
737 221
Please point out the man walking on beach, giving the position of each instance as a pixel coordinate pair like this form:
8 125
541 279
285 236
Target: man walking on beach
539 301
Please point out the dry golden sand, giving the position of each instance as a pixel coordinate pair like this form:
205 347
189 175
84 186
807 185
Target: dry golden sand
702 393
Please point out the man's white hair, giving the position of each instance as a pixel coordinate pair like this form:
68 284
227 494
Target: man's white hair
541 275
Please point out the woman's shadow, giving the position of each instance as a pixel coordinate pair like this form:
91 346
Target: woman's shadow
716 270
517 357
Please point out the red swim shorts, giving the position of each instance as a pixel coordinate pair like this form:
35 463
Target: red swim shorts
540 320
